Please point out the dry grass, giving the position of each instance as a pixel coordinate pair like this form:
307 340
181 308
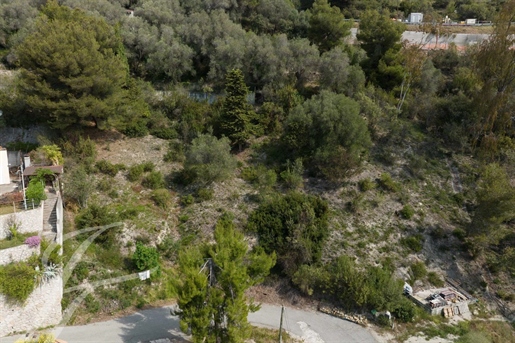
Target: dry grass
264 335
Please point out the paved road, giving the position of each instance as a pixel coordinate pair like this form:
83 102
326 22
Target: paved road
460 39
154 324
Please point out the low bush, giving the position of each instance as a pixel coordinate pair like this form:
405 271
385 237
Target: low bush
435 279
418 271
187 200
145 257
52 255
414 243
17 281
292 176
175 152
33 241
148 166
407 212
35 192
161 197
154 180
386 182
204 194
135 172
106 167
366 185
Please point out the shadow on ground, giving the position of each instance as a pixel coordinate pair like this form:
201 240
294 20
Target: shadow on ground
149 325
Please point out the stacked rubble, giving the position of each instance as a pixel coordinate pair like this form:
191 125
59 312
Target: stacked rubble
336 312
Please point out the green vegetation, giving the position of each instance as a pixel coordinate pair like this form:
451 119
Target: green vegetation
205 301
35 191
344 158
293 226
25 276
15 239
145 258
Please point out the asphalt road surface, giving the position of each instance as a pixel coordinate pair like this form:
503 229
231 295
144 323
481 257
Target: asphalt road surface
460 39
154 324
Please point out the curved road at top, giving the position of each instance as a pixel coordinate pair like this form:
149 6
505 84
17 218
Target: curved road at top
156 324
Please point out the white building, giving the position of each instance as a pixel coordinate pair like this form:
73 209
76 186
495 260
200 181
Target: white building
415 18
4 167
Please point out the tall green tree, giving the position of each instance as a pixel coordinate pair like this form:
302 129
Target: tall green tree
495 208
327 27
328 131
380 37
214 278
495 66
73 69
236 112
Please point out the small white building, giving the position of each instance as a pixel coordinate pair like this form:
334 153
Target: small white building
415 18
5 179
471 21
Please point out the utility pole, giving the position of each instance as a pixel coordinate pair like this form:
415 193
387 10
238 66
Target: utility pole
281 326
23 187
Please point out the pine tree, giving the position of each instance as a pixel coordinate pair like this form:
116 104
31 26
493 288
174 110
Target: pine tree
73 70
327 27
236 113
214 279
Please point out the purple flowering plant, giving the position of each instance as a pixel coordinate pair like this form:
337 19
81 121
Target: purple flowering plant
33 241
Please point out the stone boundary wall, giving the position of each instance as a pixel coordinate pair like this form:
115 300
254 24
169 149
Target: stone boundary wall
42 309
17 254
30 220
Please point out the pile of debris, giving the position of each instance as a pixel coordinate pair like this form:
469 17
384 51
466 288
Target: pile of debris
336 312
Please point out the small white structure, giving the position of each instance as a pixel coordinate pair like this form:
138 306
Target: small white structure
415 18
471 21
5 179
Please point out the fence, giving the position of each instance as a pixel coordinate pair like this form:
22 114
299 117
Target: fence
7 207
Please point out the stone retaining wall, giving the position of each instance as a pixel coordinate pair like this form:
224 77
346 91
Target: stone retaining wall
17 254
42 309
30 220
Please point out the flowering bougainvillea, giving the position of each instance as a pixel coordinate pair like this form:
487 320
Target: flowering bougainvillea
33 241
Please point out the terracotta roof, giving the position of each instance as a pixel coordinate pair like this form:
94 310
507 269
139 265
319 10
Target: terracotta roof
29 171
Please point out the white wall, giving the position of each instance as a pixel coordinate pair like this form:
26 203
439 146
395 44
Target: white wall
4 168
30 220
42 309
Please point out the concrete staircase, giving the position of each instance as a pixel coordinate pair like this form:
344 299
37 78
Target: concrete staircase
50 217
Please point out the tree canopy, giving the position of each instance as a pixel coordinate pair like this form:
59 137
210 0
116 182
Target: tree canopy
73 70
212 284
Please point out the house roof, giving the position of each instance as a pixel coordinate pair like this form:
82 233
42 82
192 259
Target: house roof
32 170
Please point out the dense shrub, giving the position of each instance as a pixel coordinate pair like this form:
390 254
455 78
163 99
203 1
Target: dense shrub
366 185
175 152
154 180
418 270
106 167
136 128
135 172
407 212
435 279
145 257
295 226
329 131
161 197
17 281
97 215
292 176
35 192
414 243
204 194
187 200
210 159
